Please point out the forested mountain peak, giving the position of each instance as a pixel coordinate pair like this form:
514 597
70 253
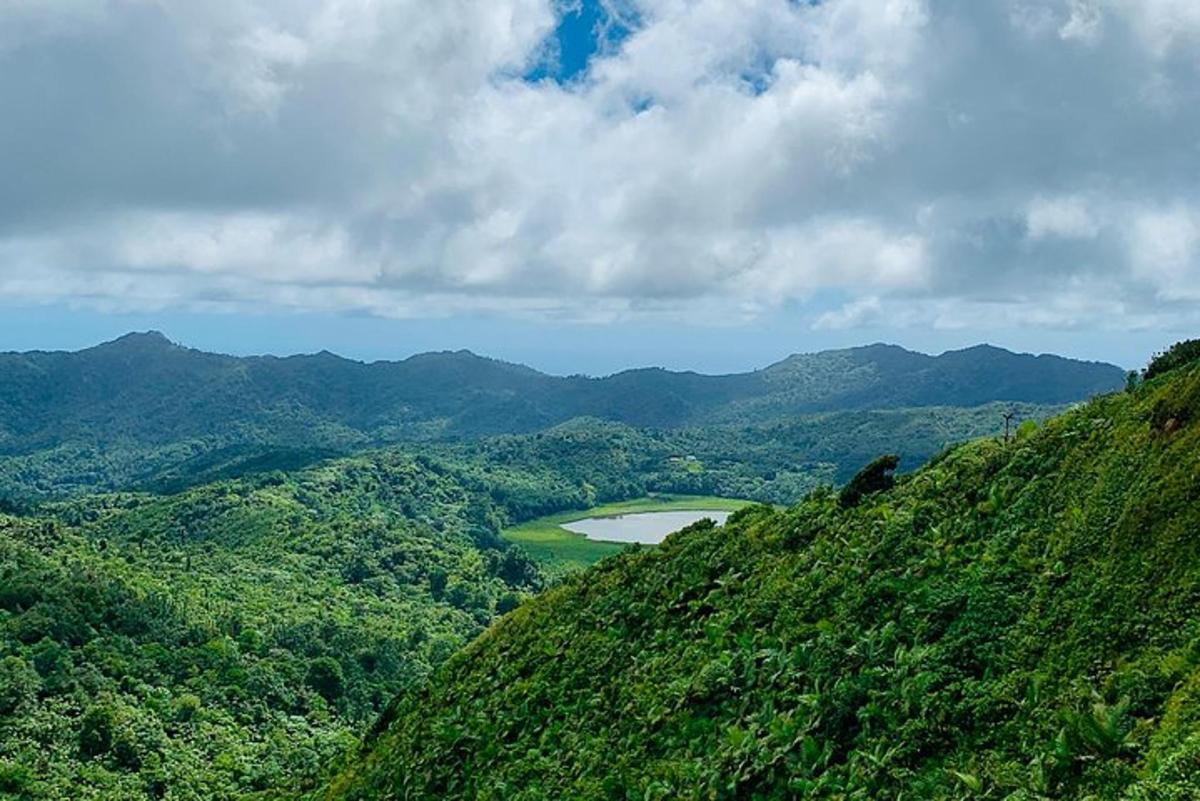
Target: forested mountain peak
888 355
140 340
435 388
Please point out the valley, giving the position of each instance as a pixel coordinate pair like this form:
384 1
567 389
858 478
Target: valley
599 400
221 611
1013 620
555 544
144 413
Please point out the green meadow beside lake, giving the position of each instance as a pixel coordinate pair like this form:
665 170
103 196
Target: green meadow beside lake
560 551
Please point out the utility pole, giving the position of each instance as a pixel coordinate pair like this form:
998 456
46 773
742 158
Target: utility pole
1008 418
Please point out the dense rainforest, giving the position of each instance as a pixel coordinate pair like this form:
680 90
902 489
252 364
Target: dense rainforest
1016 620
216 573
237 636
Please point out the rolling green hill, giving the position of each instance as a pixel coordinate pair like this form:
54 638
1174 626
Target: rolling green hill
772 462
143 412
1016 621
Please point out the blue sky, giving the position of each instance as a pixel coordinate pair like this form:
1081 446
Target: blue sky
585 28
586 186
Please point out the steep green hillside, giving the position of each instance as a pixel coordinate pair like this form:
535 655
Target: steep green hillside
144 412
240 635
1015 621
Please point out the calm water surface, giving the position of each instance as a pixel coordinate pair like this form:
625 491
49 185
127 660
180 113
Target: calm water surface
648 528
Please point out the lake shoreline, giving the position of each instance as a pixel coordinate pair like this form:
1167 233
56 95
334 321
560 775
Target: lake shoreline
642 528
560 551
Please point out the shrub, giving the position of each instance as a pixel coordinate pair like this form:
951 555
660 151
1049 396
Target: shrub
96 731
878 476
1178 408
507 602
186 707
325 678
14 779
18 682
1102 731
1177 355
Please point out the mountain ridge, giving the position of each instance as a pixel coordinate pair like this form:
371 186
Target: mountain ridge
142 393
156 338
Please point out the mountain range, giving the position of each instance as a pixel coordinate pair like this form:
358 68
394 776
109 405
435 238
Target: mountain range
143 388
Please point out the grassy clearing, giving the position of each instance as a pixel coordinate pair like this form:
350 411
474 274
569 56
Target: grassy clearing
560 551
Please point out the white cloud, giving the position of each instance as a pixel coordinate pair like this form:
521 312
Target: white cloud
1162 24
1064 216
855 314
388 157
1085 22
1164 246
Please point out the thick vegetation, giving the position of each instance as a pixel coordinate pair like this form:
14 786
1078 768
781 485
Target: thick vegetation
282 609
142 412
775 463
1017 621
237 636
1176 356
287 544
592 459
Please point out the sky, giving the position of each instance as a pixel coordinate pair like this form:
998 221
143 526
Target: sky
586 185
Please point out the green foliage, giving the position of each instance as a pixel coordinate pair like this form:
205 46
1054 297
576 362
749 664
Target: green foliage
595 462
325 678
96 730
878 476
1174 357
572 466
1174 411
237 636
1013 621
261 578
1104 732
18 684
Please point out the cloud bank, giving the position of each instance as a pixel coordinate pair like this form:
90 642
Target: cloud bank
925 162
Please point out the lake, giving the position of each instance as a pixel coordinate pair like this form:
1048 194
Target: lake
648 528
